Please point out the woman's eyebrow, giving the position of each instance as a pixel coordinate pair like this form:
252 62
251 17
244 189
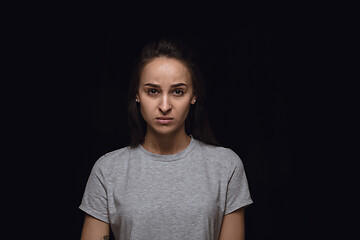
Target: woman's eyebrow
158 86
152 85
178 85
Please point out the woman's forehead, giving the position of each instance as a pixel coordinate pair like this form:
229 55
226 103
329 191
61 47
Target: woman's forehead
165 71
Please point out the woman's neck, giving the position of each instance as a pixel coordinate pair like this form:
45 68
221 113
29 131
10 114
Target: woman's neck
166 144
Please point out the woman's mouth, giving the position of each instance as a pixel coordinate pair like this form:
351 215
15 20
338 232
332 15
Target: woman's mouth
164 120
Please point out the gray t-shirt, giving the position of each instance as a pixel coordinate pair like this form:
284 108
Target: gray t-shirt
181 196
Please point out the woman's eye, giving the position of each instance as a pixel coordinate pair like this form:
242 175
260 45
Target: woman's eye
152 91
178 92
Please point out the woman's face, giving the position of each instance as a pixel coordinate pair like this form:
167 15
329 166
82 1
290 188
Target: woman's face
165 94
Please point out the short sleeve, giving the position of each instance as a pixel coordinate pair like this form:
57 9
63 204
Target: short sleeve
94 201
238 194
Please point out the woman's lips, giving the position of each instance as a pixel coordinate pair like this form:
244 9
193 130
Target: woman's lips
164 120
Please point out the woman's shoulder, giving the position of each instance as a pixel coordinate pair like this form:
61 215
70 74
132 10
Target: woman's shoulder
220 154
112 159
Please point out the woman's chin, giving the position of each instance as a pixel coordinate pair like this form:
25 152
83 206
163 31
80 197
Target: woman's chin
165 130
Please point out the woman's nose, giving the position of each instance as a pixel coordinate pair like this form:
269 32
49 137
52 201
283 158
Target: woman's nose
165 105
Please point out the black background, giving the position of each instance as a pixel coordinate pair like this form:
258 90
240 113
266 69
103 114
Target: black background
254 56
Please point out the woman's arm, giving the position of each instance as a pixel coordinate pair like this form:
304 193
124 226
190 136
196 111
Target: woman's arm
94 229
233 226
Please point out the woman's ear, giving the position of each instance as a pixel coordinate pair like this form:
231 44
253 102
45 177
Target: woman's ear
137 98
193 100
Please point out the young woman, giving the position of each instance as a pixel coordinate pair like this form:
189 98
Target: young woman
173 181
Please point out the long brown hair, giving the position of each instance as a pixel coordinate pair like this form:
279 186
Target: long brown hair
196 123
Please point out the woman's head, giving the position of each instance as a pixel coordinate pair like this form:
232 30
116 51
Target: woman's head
167 94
